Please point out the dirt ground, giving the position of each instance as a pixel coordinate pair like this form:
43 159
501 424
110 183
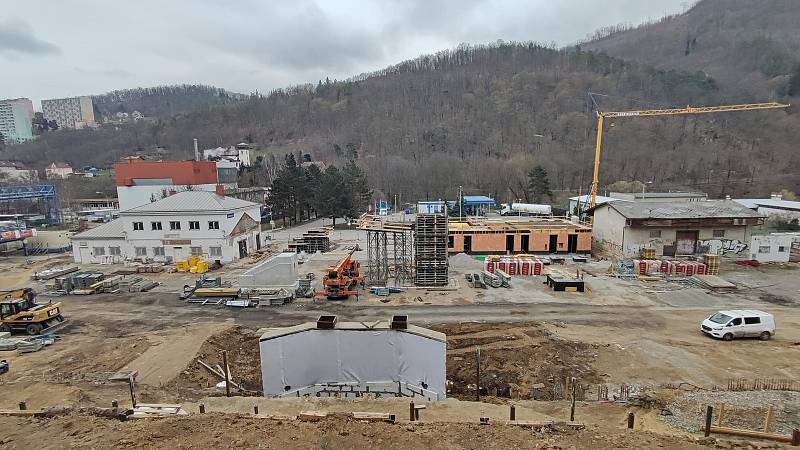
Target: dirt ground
238 431
514 358
641 334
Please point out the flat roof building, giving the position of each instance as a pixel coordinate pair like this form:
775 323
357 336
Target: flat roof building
534 235
140 182
16 117
75 112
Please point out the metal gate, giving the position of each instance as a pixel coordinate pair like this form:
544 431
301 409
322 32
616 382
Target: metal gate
685 242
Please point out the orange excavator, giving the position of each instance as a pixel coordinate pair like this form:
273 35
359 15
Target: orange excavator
340 281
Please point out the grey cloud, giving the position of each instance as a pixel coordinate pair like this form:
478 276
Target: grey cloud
17 37
302 39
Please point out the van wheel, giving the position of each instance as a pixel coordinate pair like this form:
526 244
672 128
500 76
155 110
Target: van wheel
764 336
728 337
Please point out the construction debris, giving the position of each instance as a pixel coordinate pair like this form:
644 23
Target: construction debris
48 274
313 241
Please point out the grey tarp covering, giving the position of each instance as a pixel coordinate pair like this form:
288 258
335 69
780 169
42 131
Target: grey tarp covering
314 356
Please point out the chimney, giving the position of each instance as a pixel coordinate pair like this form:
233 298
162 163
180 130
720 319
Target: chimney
220 190
196 150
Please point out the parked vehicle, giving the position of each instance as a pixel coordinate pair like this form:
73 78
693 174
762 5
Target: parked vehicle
525 209
739 323
3 366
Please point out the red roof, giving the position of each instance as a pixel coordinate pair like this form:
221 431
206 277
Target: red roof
180 172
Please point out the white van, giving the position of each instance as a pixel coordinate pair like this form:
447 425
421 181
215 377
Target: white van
739 323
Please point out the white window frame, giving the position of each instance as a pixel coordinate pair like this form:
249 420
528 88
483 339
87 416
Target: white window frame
99 251
138 226
158 251
196 250
194 224
156 226
213 224
140 251
655 233
718 233
115 251
174 225
215 252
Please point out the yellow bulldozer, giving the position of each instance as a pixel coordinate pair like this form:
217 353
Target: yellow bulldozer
19 312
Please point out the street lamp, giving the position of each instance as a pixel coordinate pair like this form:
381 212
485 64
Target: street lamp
643 186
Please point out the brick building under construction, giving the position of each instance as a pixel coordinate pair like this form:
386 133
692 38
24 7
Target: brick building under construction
532 235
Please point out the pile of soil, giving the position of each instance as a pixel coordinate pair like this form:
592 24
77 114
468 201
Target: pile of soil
96 356
244 360
514 358
335 432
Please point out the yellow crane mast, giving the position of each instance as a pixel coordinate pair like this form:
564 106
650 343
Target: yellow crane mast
601 115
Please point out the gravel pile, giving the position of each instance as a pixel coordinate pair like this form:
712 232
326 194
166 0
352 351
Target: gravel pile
465 263
745 409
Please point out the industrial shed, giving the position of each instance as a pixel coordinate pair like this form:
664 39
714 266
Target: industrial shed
678 228
349 359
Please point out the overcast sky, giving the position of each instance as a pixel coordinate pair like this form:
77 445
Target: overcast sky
81 47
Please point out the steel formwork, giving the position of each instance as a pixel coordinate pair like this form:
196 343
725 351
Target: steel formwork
390 255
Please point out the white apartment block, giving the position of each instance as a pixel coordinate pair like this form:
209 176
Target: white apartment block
188 223
75 112
15 120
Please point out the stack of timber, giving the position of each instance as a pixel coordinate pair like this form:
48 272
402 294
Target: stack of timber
712 263
313 241
713 283
48 274
430 250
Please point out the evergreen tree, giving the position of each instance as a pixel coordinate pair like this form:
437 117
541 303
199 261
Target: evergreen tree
539 184
357 188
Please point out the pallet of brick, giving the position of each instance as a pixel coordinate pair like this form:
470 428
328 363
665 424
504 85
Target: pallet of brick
712 263
648 253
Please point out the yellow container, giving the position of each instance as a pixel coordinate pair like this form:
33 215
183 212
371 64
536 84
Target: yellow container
182 266
193 260
201 267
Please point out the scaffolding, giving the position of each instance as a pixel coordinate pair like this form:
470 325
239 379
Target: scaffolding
390 251
430 245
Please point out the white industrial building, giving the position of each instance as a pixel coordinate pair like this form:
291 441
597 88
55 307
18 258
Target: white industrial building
624 228
776 247
775 206
351 359
188 223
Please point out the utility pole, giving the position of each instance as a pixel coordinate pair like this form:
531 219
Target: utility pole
460 201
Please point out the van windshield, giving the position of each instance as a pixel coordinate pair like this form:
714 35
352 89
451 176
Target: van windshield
720 318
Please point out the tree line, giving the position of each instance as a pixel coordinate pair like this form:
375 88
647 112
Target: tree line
302 192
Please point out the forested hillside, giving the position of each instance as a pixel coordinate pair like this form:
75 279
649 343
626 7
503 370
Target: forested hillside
751 47
163 101
482 117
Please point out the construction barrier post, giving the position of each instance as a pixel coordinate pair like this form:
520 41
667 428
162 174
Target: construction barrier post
709 414
255 409
513 413
411 411
630 420
477 373
23 406
202 408
796 437
227 375
572 409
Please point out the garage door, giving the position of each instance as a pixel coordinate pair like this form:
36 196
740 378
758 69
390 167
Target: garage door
685 242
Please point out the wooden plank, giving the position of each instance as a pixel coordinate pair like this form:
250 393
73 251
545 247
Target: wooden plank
750 433
768 418
312 416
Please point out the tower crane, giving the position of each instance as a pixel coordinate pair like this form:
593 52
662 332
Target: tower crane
602 115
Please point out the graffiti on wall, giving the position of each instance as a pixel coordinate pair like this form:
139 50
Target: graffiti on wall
721 246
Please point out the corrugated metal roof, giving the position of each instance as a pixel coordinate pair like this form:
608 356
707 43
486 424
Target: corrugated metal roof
682 210
108 230
768 203
192 201
478 200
